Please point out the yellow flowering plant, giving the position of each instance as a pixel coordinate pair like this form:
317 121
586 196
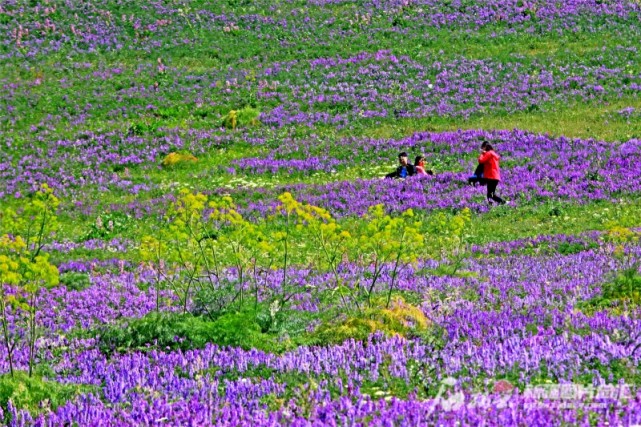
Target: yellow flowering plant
327 243
207 247
24 267
447 237
388 239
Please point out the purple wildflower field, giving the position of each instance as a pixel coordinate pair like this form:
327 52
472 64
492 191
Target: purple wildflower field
195 228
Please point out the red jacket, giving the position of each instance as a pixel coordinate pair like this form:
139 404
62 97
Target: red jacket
490 162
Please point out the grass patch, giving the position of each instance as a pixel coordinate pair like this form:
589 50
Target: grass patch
35 394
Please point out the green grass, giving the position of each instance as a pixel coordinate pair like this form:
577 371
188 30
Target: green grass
35 394
215 50
598 121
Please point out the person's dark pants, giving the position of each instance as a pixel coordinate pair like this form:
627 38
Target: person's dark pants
491 190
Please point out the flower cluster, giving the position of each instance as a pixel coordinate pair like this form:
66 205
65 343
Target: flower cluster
519 326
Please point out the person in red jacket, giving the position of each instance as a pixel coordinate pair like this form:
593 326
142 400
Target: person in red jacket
419 165
491 172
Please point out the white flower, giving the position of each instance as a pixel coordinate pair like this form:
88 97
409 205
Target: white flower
449 381
274 308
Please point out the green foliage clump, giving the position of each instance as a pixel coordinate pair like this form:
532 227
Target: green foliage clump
238 330
357 328
33 393
75 281
246 116
178 159
142 128
173 331
566 248
623 293
400 318
164 330
107 225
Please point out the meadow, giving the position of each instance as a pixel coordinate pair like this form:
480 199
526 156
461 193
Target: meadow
194 228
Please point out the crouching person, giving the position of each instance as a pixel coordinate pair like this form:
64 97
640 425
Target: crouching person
404 169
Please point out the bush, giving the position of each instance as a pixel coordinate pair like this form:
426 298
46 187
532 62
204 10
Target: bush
177 159
246 116
623 292
107 224
210 301
75 281
34 394
141 128
165 330
167 113
238 330
400 318
566 248
172 331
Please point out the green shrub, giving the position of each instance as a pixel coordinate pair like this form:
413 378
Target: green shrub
142 128
107 224
202 112
623 292
357 328
556 210
400 318
165 330
75 281
238 330
168 112
276 321
172 331
34 393
246 116
566 248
